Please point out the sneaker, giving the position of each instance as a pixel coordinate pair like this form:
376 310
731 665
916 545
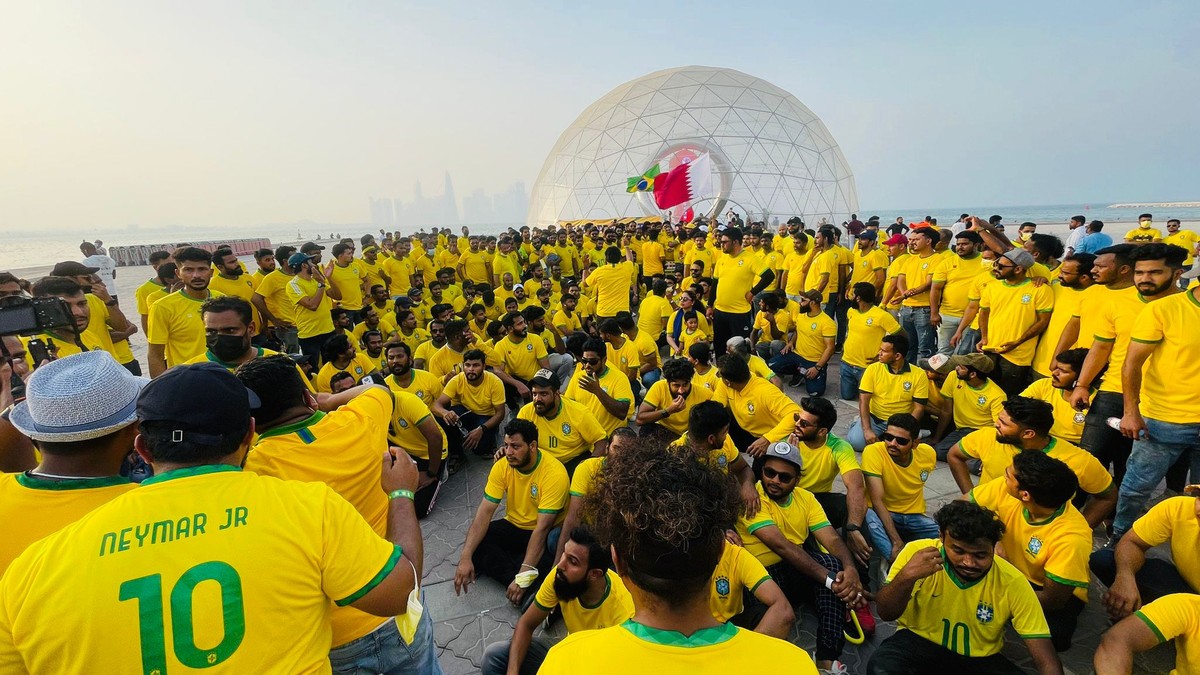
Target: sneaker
796 380
866 620
838 668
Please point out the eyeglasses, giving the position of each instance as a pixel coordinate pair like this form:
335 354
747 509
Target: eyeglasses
894 438
782 476
590 362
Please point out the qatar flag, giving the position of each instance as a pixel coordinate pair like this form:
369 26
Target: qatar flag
685 183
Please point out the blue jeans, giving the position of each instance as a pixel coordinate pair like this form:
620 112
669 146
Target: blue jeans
946 331
910 527
968 342
495 657
384 651
854 436
792 363
922 337
850 379
651 377
1165 442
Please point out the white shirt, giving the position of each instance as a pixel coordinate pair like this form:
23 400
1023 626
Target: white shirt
108 269
1074 237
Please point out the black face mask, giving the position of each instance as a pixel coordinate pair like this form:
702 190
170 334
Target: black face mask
227 348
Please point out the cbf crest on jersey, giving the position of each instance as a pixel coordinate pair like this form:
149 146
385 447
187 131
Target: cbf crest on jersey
722 586
924 475
566 428
984 612
1035 545
533 490
907 386
1026 299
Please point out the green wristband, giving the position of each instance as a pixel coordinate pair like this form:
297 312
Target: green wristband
396 494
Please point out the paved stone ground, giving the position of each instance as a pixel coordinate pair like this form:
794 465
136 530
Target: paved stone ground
464 625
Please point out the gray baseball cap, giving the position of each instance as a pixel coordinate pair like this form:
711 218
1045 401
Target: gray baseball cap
785 451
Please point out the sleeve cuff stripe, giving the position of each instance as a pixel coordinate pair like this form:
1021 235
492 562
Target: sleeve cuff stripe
1066 582
1150 624
376 580
494 500
758 526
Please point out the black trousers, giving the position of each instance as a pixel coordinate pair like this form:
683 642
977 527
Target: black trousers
726 325
1106 443
469 421
831 612
1157 577
426 497
311 347
511 397
907 653
1062 622
502 551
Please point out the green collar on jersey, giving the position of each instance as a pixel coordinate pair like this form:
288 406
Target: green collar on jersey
189 471
705 637
34 482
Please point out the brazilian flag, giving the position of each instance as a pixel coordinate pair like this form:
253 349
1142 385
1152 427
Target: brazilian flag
644 182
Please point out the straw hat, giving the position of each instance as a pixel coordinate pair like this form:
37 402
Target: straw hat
78 398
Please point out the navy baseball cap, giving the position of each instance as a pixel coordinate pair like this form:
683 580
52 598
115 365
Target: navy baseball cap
197 399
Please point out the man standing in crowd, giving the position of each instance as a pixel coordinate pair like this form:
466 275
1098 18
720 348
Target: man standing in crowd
515 550
912 284
296 441
1077 231
1160 412
866 324
736 279
952 281
281 554
1093 239
350 278
230 280
108 323
228 329
669 572
953 599
79 412
612 282
106 267
1074 277
1012 314
312 300
274 306
176 329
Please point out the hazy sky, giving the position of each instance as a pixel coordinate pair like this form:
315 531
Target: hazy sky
227 113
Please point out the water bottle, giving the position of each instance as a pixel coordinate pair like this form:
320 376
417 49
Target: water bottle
1115 423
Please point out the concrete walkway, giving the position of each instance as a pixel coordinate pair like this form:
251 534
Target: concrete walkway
464 625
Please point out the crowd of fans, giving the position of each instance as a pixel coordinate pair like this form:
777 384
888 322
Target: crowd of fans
666 495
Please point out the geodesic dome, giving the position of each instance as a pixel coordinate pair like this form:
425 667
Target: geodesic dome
772 157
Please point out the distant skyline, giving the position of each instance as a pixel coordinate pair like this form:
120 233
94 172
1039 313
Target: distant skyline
228 114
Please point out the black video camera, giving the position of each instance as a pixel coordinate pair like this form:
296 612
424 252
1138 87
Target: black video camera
30 316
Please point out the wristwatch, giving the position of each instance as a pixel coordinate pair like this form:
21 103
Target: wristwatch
320 285
851 527
111 303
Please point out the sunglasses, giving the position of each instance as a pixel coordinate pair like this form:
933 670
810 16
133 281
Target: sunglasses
894 438
591 362
782 476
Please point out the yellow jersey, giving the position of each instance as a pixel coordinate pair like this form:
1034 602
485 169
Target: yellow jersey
893 393
723 458
349 280
359 367
208 357
625 358
1174 520
423 385
969 617
310 322
64 348
414 339
918 271
611 283
865 266
710 379
1176 617
718 650
387 326
175 323
822 464
1012 309
403 432
1142 235
795 264
567 323
707 256
341 449
400 271
659 396
956 275
239 287
1066 305
615 384
812 332
864 334
1056 548
737 571
32 507
372 270
1185 240
521 359
759 408
475 266
735 277
824 264
974 408
568 432
653 313
688 338
443 362
273 289
542 489
903 484
1171 324
251 564
585 476
1068 422
797 517
1111 315
142 295
997 456
484 398
615 606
